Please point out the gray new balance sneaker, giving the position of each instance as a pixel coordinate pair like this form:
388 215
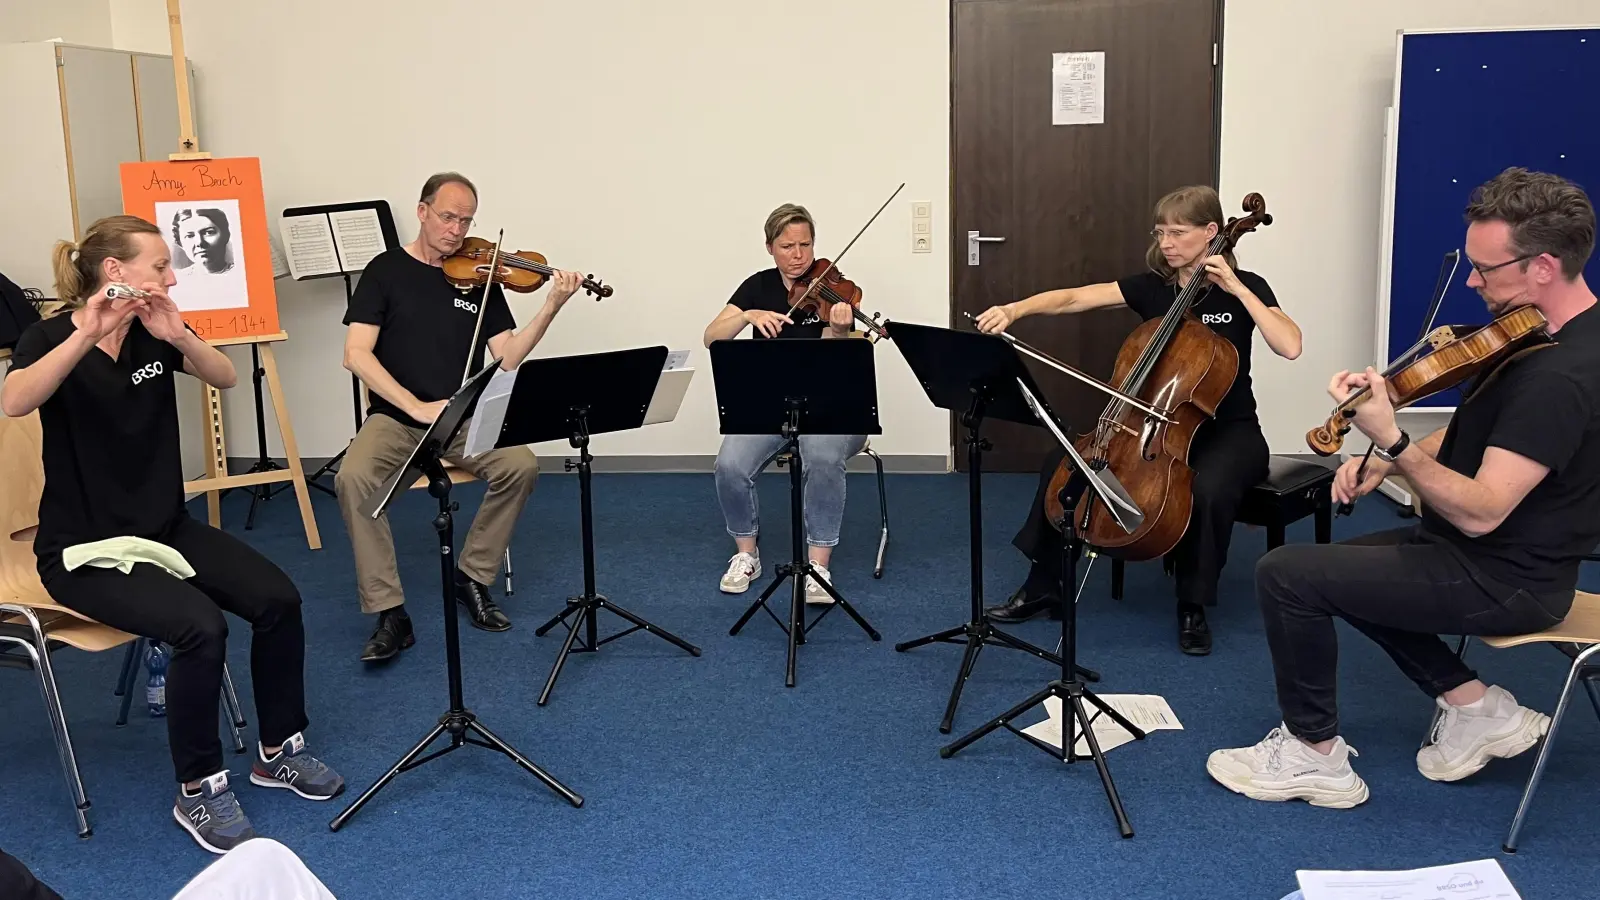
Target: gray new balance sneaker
298 771
213 817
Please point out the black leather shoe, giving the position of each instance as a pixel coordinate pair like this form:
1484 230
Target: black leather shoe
1022 607
392 635
1194 635
480 606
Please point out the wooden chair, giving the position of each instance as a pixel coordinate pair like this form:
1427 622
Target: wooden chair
32 625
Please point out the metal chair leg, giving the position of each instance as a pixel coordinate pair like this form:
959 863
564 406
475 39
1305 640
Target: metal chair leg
1510 845
883 514
1594 693
1461 653
509 589
39 655
230 709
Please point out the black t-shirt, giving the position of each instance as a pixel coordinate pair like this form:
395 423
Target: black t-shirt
1544 406
765 290
425 326
112 466
1150 296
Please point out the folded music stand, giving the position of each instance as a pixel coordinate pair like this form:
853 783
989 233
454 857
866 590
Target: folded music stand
976 376
463 725
571 398
795 387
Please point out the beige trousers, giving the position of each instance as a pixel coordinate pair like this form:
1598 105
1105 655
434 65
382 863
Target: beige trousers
380 447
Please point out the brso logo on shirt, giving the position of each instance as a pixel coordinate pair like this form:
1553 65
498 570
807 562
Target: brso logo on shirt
1216 318
467 305
148 371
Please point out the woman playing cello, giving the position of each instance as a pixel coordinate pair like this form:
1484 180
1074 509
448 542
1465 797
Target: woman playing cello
1229 453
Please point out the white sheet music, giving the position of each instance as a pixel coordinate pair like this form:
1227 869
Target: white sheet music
1149 712
676 359
308 242
1481 879
484 428
359 237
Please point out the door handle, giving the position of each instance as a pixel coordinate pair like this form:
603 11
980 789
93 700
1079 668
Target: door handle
973 237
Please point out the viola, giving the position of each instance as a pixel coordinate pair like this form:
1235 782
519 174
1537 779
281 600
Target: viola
1173 364
1454 359
822 286
524 271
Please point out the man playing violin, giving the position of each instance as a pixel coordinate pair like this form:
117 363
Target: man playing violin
762 302
1229 452
409 339
1509 492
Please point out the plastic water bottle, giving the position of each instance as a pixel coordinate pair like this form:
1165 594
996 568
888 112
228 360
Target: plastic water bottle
156 682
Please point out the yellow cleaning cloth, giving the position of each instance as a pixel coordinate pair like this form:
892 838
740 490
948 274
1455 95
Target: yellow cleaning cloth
122 552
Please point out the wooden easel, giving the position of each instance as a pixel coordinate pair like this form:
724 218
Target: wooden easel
217 478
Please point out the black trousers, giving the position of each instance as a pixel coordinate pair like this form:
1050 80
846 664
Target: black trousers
1402 588
187 615
17 883
1228 458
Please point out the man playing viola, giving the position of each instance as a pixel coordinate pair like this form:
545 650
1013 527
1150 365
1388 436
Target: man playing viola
762 302
1509 492
409 340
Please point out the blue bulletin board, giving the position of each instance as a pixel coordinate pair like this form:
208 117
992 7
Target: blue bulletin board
1468 104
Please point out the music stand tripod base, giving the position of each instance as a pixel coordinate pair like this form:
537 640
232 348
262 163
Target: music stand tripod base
573 398
462 725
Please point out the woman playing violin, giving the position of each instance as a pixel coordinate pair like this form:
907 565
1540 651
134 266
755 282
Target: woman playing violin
763 303
1229 453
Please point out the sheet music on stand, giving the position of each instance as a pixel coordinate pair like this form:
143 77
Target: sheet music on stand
335 238
488 421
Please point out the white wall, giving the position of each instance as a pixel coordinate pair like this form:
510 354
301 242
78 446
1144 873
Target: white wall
72 21
625 139
1304 94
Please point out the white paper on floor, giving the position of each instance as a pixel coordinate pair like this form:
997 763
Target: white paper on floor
1148 711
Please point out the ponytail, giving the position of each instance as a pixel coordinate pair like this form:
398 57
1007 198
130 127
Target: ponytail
77 267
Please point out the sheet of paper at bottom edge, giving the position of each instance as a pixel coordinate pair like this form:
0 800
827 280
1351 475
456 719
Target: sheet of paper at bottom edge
1150 712
1481 879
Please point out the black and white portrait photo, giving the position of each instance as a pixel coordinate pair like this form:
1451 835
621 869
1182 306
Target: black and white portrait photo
207 254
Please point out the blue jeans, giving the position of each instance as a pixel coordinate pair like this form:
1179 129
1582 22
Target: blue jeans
822 458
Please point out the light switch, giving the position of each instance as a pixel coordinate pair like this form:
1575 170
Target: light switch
921 209
921 226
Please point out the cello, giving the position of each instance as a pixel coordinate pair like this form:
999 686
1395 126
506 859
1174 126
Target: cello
1182 368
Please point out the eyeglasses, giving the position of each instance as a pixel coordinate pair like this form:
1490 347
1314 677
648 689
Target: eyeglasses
450 219
1483 271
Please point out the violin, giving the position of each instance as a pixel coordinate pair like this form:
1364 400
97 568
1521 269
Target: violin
1182 368
524 271
1453 360
822 286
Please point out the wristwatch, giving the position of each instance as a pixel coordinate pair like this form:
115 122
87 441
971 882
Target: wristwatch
1393 453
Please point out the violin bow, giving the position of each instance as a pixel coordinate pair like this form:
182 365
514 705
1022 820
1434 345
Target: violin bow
483 305
833 263
1447 274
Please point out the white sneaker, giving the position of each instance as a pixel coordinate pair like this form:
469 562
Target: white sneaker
1466 738
741 569
1282 767
814 592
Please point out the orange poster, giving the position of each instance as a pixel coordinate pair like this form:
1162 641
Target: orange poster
214 218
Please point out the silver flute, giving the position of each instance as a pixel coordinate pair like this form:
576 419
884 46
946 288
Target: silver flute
121 291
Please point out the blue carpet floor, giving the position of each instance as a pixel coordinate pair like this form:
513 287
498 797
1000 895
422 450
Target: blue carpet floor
708 778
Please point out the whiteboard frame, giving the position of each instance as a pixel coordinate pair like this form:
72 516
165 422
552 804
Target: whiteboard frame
1391 155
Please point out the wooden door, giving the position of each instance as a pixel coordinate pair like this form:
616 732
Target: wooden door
1072 202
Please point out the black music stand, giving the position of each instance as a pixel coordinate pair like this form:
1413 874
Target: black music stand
572 398
976 376
425 459
772 387
1069 689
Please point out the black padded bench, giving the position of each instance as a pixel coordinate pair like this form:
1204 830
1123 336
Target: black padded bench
1292 490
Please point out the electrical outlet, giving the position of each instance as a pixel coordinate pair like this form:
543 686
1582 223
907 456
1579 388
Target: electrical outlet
921 243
